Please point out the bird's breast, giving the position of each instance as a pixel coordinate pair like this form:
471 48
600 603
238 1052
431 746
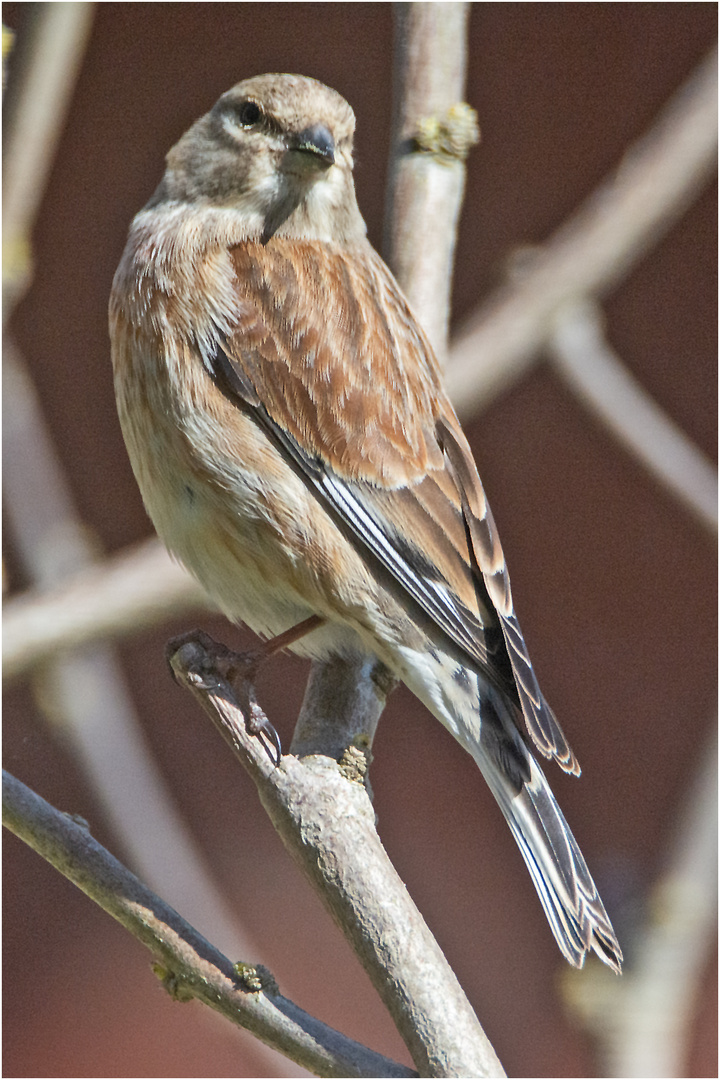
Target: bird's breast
222 497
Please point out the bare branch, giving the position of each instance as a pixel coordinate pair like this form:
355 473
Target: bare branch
342 706
327 823
432 132
585 360
53 50
656 181
139 587
189 965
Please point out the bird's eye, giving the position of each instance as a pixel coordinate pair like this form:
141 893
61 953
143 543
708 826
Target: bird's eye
249 113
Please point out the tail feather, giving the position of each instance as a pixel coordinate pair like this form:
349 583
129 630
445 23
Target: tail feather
487 723
563 882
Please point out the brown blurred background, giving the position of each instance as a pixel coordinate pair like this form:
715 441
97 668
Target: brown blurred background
614 581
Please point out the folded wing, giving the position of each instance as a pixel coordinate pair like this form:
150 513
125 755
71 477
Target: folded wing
348 388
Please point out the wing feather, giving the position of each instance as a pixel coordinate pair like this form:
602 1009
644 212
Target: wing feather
540 720
348 387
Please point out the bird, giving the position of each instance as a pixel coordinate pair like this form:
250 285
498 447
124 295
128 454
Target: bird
287 424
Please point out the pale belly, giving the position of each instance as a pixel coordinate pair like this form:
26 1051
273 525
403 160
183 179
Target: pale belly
232 511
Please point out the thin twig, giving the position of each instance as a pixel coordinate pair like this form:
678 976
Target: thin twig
596 248
189 965
326 820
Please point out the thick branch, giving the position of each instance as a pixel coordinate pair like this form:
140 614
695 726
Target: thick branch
342 706
326 821
188 964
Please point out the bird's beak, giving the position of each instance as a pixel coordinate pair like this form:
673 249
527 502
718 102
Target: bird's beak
318 141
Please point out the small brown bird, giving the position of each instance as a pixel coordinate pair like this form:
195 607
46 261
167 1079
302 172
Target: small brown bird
288 427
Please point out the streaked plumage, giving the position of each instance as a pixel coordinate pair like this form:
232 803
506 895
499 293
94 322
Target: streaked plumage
287 424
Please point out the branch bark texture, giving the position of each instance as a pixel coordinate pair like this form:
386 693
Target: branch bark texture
324 816
433 129
189 965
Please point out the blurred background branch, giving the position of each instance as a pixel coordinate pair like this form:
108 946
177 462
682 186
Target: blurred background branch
580 353
596 247
643 1024
44 70
107 600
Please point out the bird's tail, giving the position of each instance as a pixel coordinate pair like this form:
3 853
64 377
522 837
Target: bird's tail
567 891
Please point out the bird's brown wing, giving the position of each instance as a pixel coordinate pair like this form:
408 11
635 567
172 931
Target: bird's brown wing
332 364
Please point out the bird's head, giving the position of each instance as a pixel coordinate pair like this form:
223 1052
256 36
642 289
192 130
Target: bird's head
277 150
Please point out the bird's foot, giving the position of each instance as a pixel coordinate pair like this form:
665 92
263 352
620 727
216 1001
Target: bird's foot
240 670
